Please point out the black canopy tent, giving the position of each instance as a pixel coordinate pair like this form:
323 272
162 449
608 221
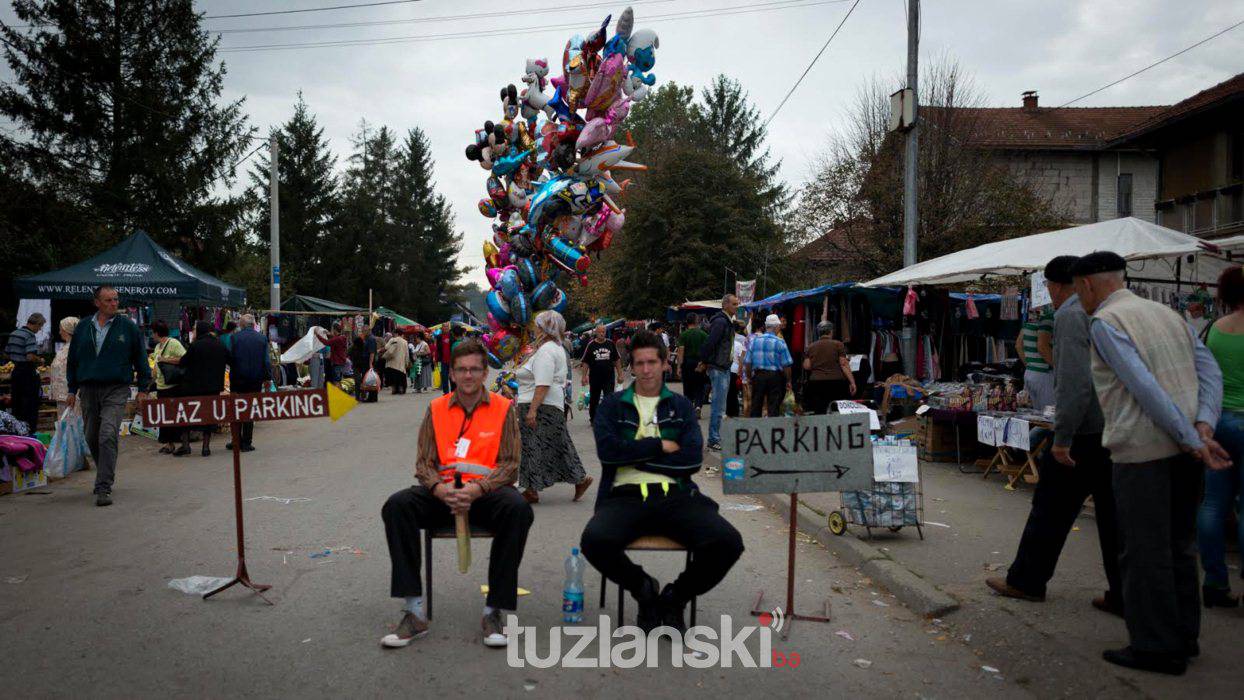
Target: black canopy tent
141 270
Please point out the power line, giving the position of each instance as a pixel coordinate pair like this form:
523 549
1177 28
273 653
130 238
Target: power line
1153 65
423 20
482 33
813 63
275 12
312 9
239 161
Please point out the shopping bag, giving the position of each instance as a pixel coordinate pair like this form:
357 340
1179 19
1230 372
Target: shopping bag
371 380
67 452
788 403
436 375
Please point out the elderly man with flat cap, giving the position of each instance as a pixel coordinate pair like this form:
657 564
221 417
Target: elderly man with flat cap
1160 392
1077 466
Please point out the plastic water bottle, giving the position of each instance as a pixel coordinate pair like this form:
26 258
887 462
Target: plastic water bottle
733 469
572 591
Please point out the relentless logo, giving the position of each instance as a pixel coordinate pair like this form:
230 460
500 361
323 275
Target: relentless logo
123 269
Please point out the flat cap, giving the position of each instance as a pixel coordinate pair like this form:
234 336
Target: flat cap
1098 261
1059 269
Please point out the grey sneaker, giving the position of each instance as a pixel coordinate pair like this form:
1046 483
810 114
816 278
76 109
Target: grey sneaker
411 627
493 630
103 498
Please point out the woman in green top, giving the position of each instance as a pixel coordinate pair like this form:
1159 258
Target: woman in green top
168 352
1035 347
1222 487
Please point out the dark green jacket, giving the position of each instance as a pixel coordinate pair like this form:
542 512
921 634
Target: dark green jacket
124 354
617 422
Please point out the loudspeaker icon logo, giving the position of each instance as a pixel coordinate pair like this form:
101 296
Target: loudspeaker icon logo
774 620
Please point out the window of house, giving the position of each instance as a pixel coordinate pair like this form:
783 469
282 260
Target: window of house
1123 194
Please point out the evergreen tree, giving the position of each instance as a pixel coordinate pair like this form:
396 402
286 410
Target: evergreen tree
359 251
426 245
736 126
307 187
119 106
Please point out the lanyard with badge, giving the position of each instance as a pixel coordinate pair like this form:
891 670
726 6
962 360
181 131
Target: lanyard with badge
462 444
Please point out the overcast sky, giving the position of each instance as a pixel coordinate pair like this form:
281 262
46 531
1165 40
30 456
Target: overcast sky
448 87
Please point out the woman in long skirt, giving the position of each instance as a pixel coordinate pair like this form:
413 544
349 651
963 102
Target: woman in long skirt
549 456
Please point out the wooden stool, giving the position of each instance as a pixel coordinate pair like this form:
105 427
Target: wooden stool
449 532
647 543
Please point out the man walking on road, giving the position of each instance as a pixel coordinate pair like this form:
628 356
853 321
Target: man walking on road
23 351
768 364
649 446
715 356
601 368
250 367
470 427
1077 466
105 354
1161 393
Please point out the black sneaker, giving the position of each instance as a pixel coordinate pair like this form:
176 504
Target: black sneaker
492 630
248 448
103 498
672 609
1147 661
649 600
714 446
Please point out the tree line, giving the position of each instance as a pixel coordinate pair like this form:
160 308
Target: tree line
115 122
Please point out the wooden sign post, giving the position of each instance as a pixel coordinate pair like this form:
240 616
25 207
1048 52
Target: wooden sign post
234 409
792 454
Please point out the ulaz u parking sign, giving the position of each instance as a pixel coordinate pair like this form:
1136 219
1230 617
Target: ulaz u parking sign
797 454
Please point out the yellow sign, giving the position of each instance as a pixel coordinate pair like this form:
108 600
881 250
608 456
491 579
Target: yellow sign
339 402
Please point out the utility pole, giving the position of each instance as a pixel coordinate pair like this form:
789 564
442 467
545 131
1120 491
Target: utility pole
910 209
274 236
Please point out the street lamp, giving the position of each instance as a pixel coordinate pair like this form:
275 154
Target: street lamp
725 280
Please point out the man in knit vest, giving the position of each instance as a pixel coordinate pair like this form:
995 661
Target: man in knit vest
1160 392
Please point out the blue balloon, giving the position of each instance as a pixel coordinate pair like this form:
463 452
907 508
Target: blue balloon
498 308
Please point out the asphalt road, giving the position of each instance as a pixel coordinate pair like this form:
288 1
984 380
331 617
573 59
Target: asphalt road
85 609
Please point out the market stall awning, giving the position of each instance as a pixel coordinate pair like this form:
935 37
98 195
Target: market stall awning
141 270
1132 238
782 297
397 318
302 302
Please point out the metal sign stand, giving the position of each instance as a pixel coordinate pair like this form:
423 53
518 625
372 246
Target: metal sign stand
241 577
788 615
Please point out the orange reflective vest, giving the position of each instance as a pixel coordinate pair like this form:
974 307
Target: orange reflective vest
483 428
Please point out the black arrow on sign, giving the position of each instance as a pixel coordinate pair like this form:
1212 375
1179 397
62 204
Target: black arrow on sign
838 469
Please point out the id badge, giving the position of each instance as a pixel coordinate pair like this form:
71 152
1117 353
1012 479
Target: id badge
460 451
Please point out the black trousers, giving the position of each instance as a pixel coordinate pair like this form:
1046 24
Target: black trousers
1056 504
732 396
26 394
502 510
396 379
598 388
819 394
1157 504
693 384
768 389
243 386
685 516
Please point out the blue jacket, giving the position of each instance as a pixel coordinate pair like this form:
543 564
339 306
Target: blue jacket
617 421
250 359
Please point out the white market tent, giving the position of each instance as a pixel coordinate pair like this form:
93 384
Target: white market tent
1132 238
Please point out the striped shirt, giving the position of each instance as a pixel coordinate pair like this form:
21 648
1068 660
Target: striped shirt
769 352
21 343
1044 323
